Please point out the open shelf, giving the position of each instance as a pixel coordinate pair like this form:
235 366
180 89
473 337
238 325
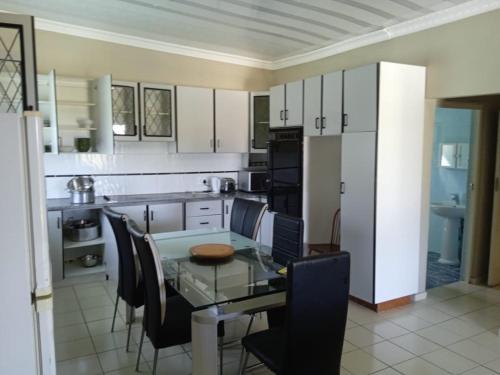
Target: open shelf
73 268
71 128
68 244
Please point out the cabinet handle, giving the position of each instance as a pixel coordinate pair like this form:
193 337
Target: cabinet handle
323 121
152 215
345 120
286 114
218 143
204 208
227 209
58 223
253 143
211 142
342 187
316 122
145 215
204 223
281 115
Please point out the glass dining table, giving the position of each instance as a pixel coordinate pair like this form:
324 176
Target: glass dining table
245 283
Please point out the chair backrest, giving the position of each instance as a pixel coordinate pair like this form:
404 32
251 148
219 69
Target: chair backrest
288 238
128 271
246 216
316 311
154 282
335 237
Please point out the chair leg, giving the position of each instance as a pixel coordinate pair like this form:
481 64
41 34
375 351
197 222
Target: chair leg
114 315
129 329
221 355
243 363
140 349
252 317
155 362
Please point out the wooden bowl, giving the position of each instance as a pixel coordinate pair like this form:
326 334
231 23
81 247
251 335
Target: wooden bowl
212 251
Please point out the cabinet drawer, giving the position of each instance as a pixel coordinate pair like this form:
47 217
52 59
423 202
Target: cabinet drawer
203 208
212 221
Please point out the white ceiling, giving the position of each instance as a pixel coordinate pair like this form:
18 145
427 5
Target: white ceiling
264 30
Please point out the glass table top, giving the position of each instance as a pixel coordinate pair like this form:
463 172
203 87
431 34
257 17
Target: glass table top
251 272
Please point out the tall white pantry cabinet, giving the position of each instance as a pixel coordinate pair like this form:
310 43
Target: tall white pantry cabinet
381 188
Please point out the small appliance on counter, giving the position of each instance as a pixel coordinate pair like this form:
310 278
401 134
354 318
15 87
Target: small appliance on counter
252 180
227 185
81 189
215 184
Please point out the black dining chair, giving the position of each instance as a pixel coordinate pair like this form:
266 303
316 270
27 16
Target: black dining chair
288 244
314 311
246 216
130 287
167 315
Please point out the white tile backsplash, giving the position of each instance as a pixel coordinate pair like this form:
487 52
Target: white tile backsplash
161 172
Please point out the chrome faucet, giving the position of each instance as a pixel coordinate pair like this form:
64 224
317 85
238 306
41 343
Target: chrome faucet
454 198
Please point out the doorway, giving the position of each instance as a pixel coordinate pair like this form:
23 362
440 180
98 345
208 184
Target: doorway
453 130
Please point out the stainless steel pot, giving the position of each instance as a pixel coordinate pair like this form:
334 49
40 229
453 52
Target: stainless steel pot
81 230
82 197
81 189
89 260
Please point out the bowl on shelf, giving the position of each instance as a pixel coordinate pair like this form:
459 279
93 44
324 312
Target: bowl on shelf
84 122
82 144
89 260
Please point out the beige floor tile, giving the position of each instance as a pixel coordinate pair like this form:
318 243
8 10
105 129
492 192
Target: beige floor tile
479 371
68 319
388 353
80 366
70 333
415 344
98 313
348 347
361 337
493 365
74 349
110 341
482 318
350 324
461 305
411 322
461 328
387 371
360 363
362 315
101 327
118 358
97 301
179 364
488 340
417 366
473 351
449 361
443 292
431 315
386 329
90 291
144 369
439 335
148 351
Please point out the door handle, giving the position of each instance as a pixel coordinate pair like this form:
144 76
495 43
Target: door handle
342 187
281 115
316 123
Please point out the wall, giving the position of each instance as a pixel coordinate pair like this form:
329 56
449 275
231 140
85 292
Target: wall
451 126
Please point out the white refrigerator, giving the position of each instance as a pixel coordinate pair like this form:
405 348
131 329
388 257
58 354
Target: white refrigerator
26 316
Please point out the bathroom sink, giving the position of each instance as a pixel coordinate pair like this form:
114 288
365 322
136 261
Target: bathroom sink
448 210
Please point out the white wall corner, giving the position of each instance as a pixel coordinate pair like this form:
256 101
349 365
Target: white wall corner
419 297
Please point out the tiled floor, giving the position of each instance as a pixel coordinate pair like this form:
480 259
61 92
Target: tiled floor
453 331
440 274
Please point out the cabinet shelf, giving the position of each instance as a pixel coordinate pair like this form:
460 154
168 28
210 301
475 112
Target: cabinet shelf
69 103
68 244
70 128
73 268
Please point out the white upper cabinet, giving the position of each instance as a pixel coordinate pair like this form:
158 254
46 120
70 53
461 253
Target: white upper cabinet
277 106
331 120
259 121
360 99
312 106
231 121
157 112
125 96
103 114
294 104
195 119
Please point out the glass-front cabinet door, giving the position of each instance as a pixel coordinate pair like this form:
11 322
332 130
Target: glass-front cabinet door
157 112
259 121
125 103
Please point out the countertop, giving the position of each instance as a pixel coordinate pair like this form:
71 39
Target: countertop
64 204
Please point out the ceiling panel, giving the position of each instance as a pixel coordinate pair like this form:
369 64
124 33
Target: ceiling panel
263 29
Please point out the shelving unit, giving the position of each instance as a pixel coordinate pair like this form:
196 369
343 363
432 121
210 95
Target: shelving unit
73 268
68 244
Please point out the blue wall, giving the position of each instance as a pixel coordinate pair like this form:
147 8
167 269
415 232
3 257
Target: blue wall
452 126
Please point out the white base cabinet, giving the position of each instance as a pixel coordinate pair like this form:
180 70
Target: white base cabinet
204 214
139 214
165 217
382 168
